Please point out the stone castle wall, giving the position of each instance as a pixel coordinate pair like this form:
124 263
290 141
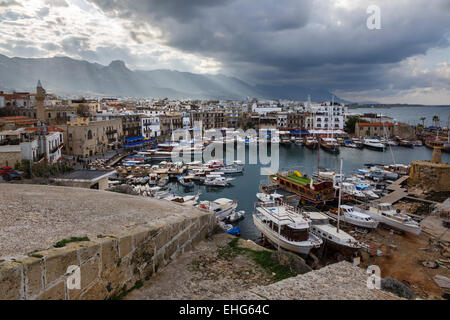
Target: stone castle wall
110 265
431 176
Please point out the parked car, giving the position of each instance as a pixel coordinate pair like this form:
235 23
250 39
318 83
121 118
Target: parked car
11 175
5 170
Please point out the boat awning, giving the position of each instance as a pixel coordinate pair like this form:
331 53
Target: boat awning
133 144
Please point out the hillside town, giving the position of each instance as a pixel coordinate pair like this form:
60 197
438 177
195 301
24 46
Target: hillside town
374 214
40 125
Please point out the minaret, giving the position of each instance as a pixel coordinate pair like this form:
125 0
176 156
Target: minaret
40 97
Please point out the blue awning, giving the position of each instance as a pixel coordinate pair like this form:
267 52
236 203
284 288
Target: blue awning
133 139
133 144
299 132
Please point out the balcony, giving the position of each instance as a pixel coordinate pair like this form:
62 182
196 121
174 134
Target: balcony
55 149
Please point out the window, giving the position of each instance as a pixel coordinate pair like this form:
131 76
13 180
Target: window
89 135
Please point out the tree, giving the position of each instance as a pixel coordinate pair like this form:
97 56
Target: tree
423 121
436 121
82 110
351 124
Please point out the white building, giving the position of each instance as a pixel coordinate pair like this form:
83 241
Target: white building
263 110
45 146
186 122
327 116
282 120
150 127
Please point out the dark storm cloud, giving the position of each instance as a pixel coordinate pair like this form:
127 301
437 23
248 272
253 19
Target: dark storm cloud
296 42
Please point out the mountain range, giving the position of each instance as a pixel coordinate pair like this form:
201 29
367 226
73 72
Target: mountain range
69 77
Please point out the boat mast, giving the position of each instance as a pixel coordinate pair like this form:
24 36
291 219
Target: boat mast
340 197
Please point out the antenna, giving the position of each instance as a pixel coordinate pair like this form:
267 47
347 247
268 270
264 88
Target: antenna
340 197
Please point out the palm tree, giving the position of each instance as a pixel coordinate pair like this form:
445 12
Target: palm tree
436 121
423 121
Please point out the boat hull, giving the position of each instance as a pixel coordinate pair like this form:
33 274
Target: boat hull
332 150
275 240
395 224
355 222
375 148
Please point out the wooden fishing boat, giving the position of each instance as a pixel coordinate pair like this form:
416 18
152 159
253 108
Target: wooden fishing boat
319 192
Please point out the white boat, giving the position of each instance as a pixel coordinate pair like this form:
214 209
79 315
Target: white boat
217 181
286 229
354 216
321 227
374 144
267 198
190 199
235 216
232 169
384 213
350 188
222 207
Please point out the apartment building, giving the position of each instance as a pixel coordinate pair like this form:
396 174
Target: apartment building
150 126
86 138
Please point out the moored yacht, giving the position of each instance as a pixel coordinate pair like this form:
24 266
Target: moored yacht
216 180
354 216
374 144
329 144
384 213
222 207
266 198
311 142
334 236
285 228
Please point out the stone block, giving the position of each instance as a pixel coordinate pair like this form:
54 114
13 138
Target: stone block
11 282
57 264
55 292
125 246
97 291
110 253
88 250
34 277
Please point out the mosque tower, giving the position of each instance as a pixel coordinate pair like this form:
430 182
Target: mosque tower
40 97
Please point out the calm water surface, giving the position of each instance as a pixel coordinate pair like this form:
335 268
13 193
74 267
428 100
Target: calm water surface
245 187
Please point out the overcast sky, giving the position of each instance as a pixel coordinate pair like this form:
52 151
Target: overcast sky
309 43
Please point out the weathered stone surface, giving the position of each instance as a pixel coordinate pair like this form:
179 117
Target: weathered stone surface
97 291
137 239
125 245
43 215
34 276
110 253
432 176
88 250
11 282
55 292
89 271
56 265
163 237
